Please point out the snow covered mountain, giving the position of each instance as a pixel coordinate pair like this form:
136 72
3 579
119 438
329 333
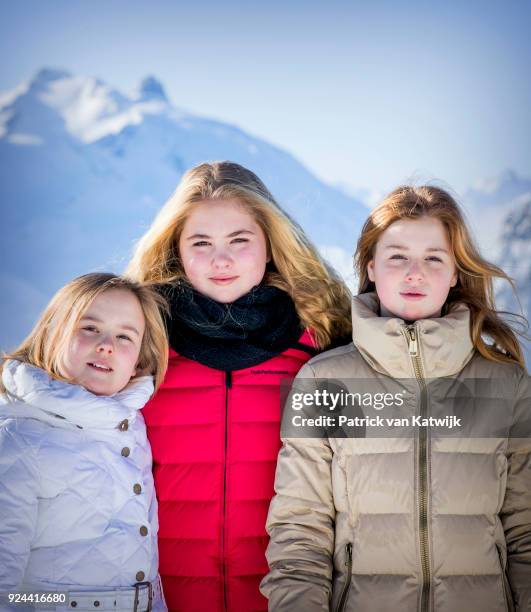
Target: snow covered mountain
499 211
84 168
498 190
489 202
516 260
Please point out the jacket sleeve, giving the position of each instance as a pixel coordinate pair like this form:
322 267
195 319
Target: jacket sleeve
301 526
516 510
19 484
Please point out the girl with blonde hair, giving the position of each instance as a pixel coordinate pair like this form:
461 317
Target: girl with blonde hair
422 518
77 502
251 300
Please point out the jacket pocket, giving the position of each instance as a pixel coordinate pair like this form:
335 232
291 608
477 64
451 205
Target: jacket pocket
348 577
509 605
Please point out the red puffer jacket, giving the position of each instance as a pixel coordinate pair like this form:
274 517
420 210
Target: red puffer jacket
215 438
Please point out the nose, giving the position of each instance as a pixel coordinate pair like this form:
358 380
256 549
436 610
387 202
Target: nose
414 273
222 259
105 345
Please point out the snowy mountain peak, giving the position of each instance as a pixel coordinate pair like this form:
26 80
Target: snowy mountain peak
48 75
515 259
507 176
152 89
489 201
86 107
494 183
41 82
499 190
517 225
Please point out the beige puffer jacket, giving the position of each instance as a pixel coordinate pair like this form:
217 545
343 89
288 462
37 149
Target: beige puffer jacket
418 523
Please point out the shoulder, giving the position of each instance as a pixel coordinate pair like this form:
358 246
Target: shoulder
481 367
304 348
341 361
337 353
508 381
308 338
20 443
307 342
23 433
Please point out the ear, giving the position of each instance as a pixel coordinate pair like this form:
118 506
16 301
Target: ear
453 282
141 372
370 270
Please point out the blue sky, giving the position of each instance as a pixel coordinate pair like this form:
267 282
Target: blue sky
365 94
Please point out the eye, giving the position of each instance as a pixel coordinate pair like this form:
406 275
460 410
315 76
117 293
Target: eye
239 240
200 243
397 256
125 337
90 328
434 258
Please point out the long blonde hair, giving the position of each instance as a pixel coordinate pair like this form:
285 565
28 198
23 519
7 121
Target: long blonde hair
474 274
49 339
321 298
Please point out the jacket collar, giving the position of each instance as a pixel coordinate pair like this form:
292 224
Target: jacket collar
33 394
444 344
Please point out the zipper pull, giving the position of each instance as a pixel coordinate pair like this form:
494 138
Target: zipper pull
413 350
228 379
348 550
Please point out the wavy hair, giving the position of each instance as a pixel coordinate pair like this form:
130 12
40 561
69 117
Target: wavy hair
474 274
321 298
49 339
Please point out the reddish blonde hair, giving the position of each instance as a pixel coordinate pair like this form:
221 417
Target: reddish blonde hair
474 274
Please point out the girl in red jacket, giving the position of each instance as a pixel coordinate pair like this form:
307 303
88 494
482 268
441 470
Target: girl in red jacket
251 301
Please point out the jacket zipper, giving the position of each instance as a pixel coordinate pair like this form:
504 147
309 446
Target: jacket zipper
348 562
423 469
228 385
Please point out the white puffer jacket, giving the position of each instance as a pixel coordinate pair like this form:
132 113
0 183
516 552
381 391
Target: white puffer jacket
77 501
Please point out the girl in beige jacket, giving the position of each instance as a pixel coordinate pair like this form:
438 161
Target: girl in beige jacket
426 518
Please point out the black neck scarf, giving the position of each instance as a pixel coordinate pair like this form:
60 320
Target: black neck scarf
257 326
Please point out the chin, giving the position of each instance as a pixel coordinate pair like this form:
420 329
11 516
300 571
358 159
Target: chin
423 314
98 389
226 297
222 299
412 314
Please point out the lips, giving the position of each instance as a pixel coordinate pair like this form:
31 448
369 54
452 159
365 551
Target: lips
413 294
223 280
101 367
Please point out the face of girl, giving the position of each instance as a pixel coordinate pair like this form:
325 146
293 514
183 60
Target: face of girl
103 352
223 250
413 268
